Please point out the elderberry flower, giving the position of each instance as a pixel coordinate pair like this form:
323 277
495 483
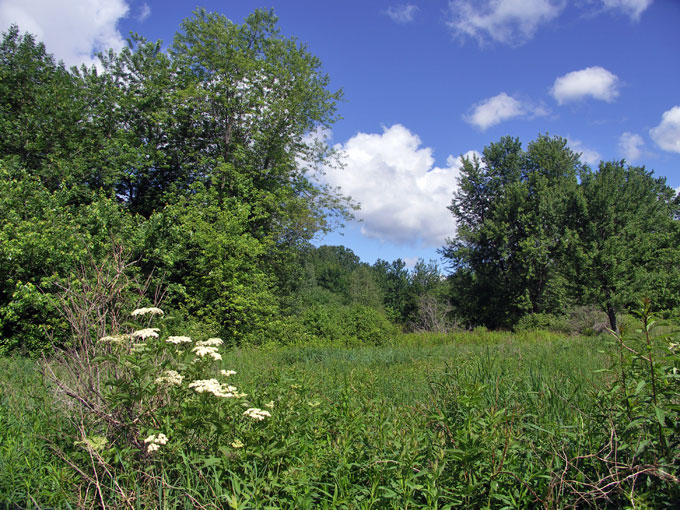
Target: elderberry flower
257 414
214 387
227 373
210 342
143 311
155 441
170 377
146 333
202 351
178 340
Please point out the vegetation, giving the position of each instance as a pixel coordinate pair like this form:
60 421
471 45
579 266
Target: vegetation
170 337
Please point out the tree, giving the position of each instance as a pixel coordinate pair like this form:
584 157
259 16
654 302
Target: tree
516 214
629 239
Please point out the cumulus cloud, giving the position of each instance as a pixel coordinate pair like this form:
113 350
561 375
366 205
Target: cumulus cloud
632 8
403 196
595 82
73 30
403 13
667 134
503 21
588 155
496 109
630 146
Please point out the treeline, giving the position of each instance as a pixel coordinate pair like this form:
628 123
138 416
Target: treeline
187 176
540 233
191 176
194 165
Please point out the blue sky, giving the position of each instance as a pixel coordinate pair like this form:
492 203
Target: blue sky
426 81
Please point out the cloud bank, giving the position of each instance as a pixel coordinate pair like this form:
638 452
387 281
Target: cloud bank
72 30
403 196
595 82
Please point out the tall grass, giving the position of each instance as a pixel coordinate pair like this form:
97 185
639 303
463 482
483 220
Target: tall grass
469 420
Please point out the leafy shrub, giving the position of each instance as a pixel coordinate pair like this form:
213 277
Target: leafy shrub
148 399
347 324
544 321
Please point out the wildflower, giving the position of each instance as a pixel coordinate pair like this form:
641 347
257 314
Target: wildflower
237 443
257 414
227 373
146 333
178 340
143 311
114 339
216 388
155 441
170 377
210 342
202 351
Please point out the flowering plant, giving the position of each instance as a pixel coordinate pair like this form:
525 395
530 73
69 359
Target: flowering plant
169 394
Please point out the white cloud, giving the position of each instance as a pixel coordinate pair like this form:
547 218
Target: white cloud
589 156
504 21
595 82
403 196
144 12
496 109
630 146
403 13
667 133
632 8
72 30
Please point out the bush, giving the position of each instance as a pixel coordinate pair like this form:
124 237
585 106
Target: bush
347 324
545 321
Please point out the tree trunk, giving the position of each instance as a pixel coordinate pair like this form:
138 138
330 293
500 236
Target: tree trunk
611 314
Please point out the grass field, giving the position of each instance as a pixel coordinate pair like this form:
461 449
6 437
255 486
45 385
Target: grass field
469 420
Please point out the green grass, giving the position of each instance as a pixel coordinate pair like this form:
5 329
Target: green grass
469 420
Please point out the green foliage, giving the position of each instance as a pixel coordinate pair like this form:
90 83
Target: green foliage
535 321
516 212
538 231
347 324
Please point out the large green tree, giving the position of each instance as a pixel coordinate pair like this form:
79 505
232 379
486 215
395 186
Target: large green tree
629 239
516 214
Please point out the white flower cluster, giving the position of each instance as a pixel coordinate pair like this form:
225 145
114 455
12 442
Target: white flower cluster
178 340
205 350
155 441
210 342
216 388
146 333
115 339
143 311
170 377
227 373
257 414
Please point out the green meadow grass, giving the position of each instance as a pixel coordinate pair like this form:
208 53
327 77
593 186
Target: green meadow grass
468 420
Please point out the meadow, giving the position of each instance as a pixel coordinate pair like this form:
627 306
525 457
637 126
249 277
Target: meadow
473 419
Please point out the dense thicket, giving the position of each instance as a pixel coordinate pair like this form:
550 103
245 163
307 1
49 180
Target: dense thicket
539 232
199 161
